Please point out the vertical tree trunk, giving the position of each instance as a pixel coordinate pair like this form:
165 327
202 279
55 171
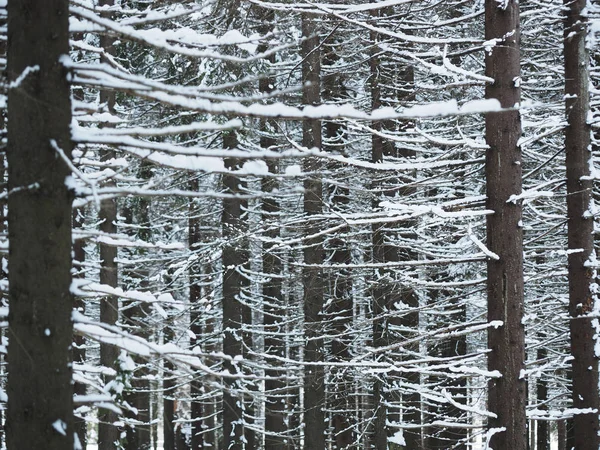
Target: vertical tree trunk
379 406
40 392
195 295
340 312
274 311
233 258
390 406
507 395
312 277
542 435
580 227
108 433
168 399
79 342
139 436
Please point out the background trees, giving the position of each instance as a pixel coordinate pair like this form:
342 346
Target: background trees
281 223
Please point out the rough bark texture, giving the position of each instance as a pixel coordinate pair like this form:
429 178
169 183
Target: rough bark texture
40 333
312 278
507 395
580 227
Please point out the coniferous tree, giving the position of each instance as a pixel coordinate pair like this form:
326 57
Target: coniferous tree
582 296
312 276
40 391
507 394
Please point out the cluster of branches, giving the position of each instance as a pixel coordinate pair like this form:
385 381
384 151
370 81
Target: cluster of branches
291 227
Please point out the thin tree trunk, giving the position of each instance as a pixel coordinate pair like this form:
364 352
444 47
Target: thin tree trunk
139 436
507 396
234 257
195 295
79 342
580 227
312 278
168 399
40 333
340 312
274 311
380 407
108 433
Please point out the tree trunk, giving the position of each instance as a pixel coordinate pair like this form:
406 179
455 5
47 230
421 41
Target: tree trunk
40 392
507 395
580 227
234 257
340 312
79 342
312 277
195 295
274 311
139 435
108 433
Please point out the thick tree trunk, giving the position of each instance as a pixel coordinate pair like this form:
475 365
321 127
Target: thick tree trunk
312 277
580 227
40 390
507 396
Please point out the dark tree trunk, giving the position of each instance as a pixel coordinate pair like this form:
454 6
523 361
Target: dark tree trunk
79 341
507 396
108 433
234 257
390 406
340 313
543 436
168 399
195 295
379 406
139 435
40 392
561 435
580 227
312 277
274 313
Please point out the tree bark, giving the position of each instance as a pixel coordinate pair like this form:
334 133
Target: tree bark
507 395
338 316
274 311
195 295
139 434
233 258
580 227
108 433
312 278
40 392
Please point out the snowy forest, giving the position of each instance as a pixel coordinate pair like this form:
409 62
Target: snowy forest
280 224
